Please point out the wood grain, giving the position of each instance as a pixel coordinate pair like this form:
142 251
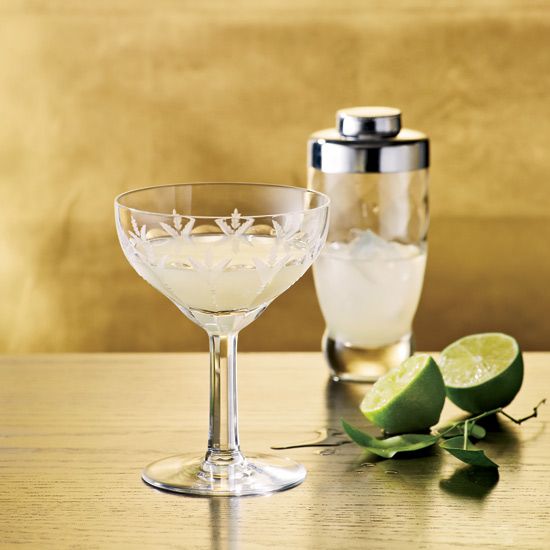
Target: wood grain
75 431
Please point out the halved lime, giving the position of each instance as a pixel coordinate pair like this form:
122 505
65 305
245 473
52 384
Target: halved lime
408 398
482 371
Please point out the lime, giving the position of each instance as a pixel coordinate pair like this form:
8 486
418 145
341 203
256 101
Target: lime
408 398
482 371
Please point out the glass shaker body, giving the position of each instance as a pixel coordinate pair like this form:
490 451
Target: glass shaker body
370 274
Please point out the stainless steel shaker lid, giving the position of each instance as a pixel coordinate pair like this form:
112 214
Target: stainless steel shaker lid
368 139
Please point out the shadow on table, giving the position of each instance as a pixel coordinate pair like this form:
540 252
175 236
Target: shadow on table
470 482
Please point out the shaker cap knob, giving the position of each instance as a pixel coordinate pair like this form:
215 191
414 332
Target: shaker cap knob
365 122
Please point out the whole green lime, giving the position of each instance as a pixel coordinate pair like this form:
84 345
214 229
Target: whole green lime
482 371
408 398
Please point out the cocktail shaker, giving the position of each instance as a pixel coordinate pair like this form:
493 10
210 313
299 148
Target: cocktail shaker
370 274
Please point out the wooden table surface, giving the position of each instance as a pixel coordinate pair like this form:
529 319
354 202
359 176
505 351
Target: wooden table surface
75 431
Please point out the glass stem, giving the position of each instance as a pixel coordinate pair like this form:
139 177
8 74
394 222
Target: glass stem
223 436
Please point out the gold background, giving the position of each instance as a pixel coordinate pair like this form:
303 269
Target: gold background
102 96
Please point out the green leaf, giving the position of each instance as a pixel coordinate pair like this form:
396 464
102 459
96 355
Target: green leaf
476 431
389 447
473 429
470 455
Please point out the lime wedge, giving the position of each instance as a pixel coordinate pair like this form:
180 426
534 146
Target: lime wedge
408 398
482 371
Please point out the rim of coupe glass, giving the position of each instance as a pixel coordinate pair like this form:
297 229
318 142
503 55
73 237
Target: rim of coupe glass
118 198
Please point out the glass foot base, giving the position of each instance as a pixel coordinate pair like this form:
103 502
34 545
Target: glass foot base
258 475
353 364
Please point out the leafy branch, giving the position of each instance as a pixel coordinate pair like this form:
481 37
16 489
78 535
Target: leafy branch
453 438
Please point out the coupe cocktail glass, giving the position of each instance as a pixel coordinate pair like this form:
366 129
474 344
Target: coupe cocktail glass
222 252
